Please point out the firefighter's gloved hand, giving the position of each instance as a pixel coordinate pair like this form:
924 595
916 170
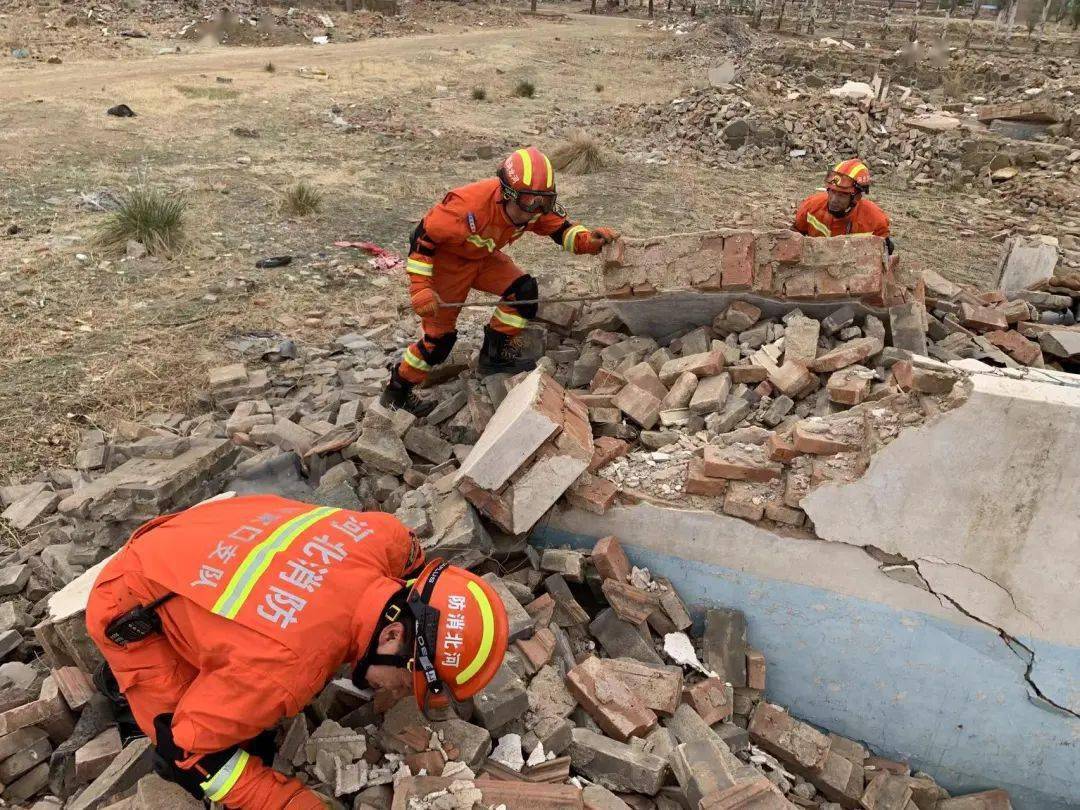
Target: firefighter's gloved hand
424 302
598 237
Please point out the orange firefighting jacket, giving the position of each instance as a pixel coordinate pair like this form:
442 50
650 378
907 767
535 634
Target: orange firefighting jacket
274 596
813 218
470 224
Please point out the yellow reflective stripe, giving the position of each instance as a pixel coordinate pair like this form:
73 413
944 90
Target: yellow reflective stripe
260 557
861 233
511 320
570 235
218 786
418 267
856 170
550 173
818 225
480 241
416 362
526 166
487 638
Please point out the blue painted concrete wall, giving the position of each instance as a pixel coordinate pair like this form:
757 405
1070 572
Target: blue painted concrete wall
947 698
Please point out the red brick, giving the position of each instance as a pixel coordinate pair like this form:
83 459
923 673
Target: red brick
606 381
747 374
629 603
697 483
609 559
780 513
744 500
1015 311
824 443
848 387
760 794
609 701
542 610
781 448
992 297
738 266
755 669
711 700
657 687
592 493
602 337
705 364
644 376
796 744
910 377
535 652
75 686
638 404
847 354
1018 347
430 761
986 800
790 378
740 465
593 400
764 389
982 319
787 248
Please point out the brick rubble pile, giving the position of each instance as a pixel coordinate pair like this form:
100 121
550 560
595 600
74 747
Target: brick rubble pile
742 414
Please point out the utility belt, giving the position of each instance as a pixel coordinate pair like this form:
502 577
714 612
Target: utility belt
138 623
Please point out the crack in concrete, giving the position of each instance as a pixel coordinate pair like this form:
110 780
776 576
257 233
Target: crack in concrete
991 580
1010 641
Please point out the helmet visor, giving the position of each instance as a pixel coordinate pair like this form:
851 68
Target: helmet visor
535 202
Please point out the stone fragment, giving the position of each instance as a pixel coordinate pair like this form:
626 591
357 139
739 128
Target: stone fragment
127 768
615 765
30 783
609 701
605 450
427 444
569 564
519 621
797 744
801 339
755 669
13 578
155 793
1063 344
379 446
567 610
910 377
840 780
592 493
597 797
74 685
724 644
24 513
838 319
503 700
906 325
1018 347
24 759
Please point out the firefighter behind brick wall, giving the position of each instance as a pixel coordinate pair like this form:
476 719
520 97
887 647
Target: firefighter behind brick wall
458 246
842 209
219 621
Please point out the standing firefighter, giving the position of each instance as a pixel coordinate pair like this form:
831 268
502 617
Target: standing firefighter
842 209
458 246
219 621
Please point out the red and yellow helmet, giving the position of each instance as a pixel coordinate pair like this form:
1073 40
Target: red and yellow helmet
528 179
849 177
461 634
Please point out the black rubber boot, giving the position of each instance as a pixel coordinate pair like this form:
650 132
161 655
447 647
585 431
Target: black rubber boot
501 354
398 395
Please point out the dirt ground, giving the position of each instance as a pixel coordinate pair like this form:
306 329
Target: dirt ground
88 338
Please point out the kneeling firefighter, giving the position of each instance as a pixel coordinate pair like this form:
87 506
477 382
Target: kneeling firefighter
219 621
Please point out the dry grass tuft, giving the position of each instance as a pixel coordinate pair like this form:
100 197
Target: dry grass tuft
479 93
302 200
147 216
580 155
525 89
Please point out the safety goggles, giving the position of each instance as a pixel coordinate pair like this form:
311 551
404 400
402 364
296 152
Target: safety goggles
535 202
843 183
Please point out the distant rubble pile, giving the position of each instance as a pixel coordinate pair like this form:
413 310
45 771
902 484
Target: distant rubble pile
767 109
784 363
